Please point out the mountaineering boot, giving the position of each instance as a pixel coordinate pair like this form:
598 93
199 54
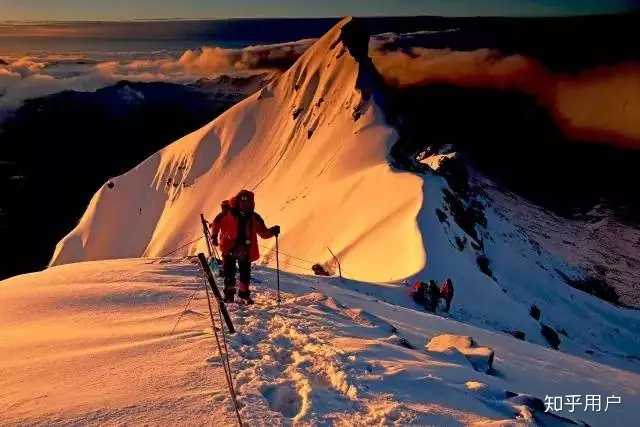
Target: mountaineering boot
245 297
244 293
246 301
229 295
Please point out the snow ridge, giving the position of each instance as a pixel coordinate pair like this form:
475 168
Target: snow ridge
312 144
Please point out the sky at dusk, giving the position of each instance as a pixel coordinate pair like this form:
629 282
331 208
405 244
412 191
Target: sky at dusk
38 10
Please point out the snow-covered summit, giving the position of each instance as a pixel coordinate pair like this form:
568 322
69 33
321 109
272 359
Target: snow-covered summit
314 146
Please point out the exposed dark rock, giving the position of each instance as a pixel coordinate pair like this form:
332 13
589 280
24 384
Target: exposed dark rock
594 286
477 245
357 111
483 264
534 312
456 173
516 334
466 217
442 217
493 119
551 336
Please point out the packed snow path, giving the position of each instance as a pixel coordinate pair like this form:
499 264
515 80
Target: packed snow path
88 343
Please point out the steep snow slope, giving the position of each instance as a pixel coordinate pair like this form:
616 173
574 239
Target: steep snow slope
88 343
313 144
597 242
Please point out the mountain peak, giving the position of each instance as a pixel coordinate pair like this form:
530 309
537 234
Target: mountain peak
311 144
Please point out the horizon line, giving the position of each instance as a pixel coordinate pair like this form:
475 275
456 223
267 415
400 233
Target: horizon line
188 19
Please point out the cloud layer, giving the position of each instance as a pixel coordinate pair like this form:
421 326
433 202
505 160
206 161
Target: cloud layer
600 104
36 76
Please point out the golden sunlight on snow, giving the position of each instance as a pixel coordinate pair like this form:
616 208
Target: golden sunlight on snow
312 148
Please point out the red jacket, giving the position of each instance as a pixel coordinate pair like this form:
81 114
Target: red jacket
227 226
447 290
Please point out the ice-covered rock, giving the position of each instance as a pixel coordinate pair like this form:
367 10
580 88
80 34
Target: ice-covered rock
481 358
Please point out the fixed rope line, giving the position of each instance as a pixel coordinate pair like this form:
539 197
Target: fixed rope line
226 352
180 247
299 259
193 294
224 357
289 255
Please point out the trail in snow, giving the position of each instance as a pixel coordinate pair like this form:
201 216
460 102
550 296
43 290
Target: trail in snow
88 343
333 355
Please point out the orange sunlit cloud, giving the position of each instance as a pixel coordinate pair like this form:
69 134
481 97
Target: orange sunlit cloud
601 104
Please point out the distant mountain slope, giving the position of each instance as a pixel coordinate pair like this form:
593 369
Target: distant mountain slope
55 151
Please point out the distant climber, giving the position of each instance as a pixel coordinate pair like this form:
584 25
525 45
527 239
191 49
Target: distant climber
236 229
428 294
446 293
418 292
432 295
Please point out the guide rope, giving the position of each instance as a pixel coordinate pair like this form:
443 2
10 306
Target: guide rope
223 355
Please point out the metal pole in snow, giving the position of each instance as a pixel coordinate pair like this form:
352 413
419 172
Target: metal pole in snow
205 231
278 268
337 261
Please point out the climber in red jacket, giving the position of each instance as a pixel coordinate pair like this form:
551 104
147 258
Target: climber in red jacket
235 230
446 292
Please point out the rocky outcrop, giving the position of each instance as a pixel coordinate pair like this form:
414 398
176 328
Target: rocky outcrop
480 358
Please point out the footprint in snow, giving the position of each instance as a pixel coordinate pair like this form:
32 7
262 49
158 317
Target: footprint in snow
282 398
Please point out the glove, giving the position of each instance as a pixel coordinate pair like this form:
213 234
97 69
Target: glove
275 230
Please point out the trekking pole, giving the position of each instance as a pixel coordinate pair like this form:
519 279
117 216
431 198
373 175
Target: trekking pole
224 355
205 232
278 269
214 288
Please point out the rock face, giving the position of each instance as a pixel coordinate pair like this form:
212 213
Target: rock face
481 358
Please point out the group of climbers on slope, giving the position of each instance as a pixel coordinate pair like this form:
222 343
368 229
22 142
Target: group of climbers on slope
429 294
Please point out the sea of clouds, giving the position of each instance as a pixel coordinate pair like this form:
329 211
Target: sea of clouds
35 76
600 104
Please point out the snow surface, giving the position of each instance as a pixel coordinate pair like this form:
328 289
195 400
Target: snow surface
88 343
314 147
